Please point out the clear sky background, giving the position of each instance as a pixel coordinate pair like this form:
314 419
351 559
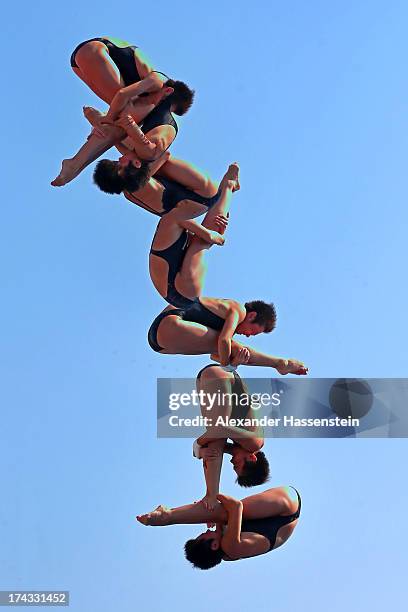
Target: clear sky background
311 99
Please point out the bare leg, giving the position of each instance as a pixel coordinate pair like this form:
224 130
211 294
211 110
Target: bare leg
229 184
97 70
183 515
215 382
190 280
94 147
283 366
178 337
93 115
190 177
261 505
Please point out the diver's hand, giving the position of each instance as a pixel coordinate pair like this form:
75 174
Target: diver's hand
241 356
209 502
229 502
221 221
209 454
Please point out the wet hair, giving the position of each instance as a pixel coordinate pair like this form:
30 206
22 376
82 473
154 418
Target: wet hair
254 472
182 96
107 178
265 314
201 555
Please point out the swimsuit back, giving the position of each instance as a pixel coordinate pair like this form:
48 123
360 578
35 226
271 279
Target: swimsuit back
122 57
269 527
173 255
198 313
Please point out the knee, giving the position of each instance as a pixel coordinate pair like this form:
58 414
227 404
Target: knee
211 187
87 52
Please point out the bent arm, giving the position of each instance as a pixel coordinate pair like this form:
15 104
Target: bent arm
231 541
252 441
153 82
124 150
197 229
225 338
147 148
158 163
256 357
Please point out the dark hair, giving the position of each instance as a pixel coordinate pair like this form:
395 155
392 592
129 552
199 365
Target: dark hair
201 555
254 472
182 96
265 314
106 176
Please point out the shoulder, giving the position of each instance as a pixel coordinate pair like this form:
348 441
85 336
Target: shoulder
235 306
162 131
143 64
232 304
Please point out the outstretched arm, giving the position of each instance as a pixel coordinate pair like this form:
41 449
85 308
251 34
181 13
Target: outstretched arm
231 541
225 338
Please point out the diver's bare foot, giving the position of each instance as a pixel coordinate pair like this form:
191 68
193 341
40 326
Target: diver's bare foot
68 173
231 177
157 518
292 366
93 115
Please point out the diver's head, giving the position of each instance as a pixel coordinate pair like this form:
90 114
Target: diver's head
260 318
118 176
205 551
181 98
252 469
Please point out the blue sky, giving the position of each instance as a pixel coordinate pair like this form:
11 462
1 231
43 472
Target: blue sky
311 99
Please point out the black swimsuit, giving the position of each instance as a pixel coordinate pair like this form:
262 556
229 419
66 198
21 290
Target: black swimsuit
173 194
123 57
270 526
175 253
174 256
160 115
196 313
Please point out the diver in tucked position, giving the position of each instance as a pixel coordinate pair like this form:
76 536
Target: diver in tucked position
230 400
198 325
245 528
121 75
